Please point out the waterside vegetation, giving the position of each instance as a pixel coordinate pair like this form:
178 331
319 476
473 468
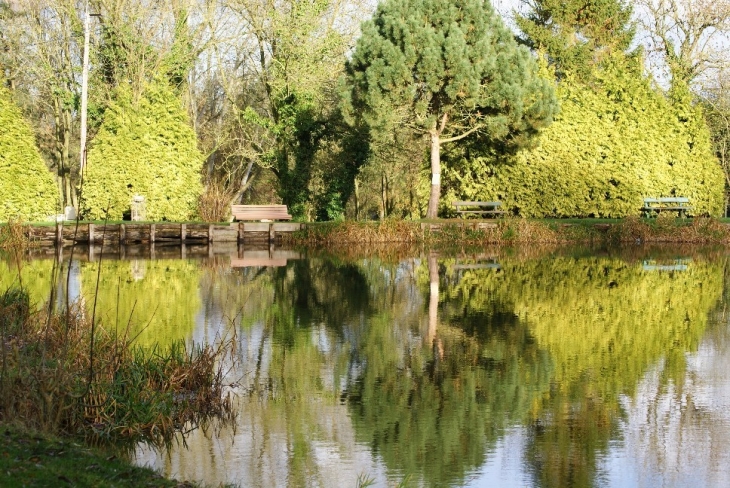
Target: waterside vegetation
507 231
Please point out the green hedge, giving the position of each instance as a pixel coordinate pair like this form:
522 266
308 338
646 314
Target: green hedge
613 143
27 188
144 147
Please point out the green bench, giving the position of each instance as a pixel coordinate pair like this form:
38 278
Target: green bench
654 206
489 209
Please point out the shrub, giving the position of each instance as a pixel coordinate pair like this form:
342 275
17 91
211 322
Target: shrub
144 147
27 189
615 141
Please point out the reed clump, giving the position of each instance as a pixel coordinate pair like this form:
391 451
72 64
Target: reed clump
214 204
666 228
14 237
66 376
349 231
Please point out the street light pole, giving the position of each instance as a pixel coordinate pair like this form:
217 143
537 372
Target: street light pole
84 90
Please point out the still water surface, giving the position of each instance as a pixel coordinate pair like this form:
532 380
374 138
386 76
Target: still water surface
549 368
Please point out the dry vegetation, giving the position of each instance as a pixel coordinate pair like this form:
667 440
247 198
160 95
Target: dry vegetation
65 375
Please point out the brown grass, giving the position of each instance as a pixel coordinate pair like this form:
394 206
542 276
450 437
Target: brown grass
56 379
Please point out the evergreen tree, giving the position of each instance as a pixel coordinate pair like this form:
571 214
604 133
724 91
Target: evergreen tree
27 190
144 147
577 34
448 70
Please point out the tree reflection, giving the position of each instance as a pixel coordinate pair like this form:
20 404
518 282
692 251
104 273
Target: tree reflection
432 406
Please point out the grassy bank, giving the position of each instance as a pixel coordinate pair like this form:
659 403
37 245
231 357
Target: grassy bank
33 459
507 231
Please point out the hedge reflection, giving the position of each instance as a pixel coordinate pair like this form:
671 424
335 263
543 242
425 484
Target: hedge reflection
604 323
154 301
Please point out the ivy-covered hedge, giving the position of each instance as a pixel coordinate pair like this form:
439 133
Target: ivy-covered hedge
27 188
144 147
614 142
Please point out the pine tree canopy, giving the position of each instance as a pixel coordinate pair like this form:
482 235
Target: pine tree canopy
449 70
577 34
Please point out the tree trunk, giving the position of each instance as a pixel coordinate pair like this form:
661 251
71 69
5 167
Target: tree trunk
433 201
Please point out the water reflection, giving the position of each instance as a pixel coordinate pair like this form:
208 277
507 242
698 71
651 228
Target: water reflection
500 368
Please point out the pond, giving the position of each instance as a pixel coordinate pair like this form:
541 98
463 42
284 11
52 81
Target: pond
380 367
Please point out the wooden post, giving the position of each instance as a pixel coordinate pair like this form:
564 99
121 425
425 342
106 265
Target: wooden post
240 232
210 233
122 234
91 234
152 233
59 234
272 232
183 232
183 251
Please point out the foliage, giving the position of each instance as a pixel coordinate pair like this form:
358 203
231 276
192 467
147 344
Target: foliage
614 142
459 73
27 189
577 35
144 147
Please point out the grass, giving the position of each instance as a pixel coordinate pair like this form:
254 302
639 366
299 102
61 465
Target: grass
31 459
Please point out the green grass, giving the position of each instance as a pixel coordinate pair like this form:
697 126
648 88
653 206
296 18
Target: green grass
29 459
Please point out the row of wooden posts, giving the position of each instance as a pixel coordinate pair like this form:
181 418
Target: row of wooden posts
115 234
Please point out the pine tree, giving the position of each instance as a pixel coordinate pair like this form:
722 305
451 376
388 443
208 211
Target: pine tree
577 34
27 189
448 70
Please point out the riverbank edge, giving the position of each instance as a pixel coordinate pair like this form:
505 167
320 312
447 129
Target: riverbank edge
502 231
511 231
39 459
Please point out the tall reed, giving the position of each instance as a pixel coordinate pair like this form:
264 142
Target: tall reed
128 393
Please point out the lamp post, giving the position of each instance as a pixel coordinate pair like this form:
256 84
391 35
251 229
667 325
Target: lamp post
84 90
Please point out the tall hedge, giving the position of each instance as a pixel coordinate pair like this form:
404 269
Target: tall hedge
144 147
615 141
27 188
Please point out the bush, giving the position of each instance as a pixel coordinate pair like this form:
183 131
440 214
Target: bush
615 141
27 189
144 147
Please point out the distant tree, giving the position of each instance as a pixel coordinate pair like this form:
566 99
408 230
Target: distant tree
689 36
27 190
144 147
576 34
447 70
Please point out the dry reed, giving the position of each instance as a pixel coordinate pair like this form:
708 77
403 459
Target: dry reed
125 393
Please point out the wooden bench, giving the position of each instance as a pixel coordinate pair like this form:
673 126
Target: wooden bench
260 212
481 208
653 206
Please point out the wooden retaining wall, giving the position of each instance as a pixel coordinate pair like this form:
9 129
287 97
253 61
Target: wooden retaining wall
116 234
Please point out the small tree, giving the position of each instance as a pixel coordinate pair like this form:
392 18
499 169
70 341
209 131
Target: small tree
448 70
27 189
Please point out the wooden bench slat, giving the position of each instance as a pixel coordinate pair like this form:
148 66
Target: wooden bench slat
260 212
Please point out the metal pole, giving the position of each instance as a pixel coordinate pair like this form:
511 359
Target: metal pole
84 89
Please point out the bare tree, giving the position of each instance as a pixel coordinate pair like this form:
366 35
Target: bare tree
687 38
